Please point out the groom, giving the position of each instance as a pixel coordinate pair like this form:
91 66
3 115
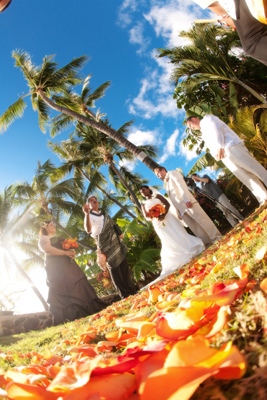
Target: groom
187 207
107 235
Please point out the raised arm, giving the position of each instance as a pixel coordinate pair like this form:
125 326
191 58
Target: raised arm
87 222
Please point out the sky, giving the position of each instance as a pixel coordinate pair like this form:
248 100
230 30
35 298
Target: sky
121 38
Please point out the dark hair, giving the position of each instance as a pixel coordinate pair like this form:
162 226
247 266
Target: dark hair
145 186
194 175
43 230
160 168
89 199
190 118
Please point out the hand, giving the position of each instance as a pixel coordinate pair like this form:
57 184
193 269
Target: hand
229 22
161 217
188 204
86 209
220 155
121 236
70 253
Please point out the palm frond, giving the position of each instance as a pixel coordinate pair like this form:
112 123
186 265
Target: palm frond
14 111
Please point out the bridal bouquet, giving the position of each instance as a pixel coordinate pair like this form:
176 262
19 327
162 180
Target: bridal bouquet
157 210
70 244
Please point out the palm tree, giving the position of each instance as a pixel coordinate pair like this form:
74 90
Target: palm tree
50 89
77 161
46 197
103 149
13 233
209 58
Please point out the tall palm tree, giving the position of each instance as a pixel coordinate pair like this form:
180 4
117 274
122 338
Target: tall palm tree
13 233
77 161
49 89
103 150
207 58
50 198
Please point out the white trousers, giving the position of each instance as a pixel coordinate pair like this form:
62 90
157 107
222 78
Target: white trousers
248 170
225 202
201 225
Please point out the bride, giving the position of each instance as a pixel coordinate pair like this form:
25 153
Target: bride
178 247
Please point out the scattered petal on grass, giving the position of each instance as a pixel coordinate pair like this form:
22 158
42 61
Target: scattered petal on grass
263 285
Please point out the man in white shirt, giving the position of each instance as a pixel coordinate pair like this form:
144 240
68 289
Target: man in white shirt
225 145
237 14
187 207
108 239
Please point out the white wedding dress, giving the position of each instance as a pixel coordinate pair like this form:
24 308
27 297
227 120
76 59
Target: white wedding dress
178 247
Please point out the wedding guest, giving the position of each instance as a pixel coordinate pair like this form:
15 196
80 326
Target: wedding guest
225 145
222 202
70 295
187 207
108 237
177 246
243 19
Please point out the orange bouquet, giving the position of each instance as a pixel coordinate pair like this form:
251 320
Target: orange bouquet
70 244
156 210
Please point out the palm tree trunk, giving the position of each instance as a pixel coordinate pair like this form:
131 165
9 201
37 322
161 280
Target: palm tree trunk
28 279
250 90
110 197
142 156
68 233
121 178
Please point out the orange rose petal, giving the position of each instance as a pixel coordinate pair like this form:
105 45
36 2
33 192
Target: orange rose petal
165 305
163 383
263 285
20 391
151 364
145 329
242 271
107 387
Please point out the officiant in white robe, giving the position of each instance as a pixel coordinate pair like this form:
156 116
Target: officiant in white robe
188 209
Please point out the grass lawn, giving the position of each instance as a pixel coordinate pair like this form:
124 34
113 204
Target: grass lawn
199 334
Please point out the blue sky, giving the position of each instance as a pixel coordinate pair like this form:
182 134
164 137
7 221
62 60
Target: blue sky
120 37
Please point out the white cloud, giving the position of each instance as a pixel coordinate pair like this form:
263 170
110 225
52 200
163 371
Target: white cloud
185 152
137 37
126 10
171 18
155 94
130 165
169 148
140 137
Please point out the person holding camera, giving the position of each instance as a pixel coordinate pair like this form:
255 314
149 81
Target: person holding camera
222 202
188 209
111 249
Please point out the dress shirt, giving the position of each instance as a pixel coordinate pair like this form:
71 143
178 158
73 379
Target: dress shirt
96 223
228 5
217 135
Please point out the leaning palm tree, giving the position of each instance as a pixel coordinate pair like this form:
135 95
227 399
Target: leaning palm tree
104 150
44 196
209 58
13 234
76 161
49 90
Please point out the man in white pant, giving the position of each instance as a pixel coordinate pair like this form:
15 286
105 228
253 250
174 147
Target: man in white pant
225 145
222 202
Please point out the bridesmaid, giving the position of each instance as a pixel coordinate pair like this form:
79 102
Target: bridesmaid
70 294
